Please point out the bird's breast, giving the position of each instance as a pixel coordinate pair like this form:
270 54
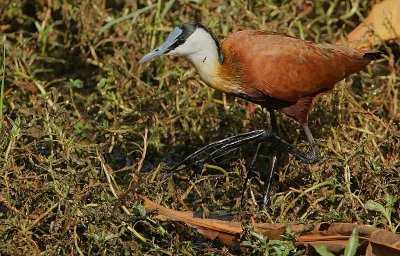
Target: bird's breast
214 74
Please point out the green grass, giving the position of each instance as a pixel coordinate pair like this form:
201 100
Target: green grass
83 123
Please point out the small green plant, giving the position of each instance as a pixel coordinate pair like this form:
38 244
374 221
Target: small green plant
263 246
386 210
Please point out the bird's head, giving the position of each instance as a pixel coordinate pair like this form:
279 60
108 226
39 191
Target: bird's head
187 40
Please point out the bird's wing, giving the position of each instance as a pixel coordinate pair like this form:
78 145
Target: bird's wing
287 68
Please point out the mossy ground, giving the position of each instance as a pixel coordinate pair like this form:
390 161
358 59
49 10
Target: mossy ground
83 122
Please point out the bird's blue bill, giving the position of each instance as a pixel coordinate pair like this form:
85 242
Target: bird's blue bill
171 39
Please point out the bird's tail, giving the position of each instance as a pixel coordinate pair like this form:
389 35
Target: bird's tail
373 55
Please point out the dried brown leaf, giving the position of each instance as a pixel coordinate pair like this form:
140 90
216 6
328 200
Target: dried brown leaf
383 21
334 236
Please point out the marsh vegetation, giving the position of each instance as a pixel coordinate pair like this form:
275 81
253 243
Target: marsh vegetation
84 124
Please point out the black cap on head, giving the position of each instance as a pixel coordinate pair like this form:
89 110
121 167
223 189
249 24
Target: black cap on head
177 37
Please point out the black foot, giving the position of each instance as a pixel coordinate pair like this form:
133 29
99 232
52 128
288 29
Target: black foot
221 148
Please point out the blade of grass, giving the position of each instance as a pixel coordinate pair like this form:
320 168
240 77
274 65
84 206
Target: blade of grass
126 17
352 245
3 71
319 185
157 21
168 6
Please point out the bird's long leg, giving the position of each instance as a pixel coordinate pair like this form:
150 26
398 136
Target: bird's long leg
271 173
309 158
274 129
314 155
246 179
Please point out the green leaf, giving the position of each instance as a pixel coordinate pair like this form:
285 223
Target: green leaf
110 237
390 200
352 244
374 206
258 236
139 210
321 250
77 83
246 243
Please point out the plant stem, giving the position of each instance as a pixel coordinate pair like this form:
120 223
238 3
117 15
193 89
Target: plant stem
2 83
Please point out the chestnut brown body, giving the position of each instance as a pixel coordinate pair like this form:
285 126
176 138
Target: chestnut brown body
284 73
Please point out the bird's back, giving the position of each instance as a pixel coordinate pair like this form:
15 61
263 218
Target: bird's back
274 67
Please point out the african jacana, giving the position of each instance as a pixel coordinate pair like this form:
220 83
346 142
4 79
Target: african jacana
278 72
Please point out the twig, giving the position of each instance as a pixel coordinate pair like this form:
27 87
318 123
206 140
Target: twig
41 217
144 150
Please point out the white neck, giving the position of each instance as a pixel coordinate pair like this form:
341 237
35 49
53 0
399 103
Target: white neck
201 50
206 63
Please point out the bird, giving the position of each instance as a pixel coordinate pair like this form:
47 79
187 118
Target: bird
276 71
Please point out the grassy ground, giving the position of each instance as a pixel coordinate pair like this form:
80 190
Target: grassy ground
82 122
